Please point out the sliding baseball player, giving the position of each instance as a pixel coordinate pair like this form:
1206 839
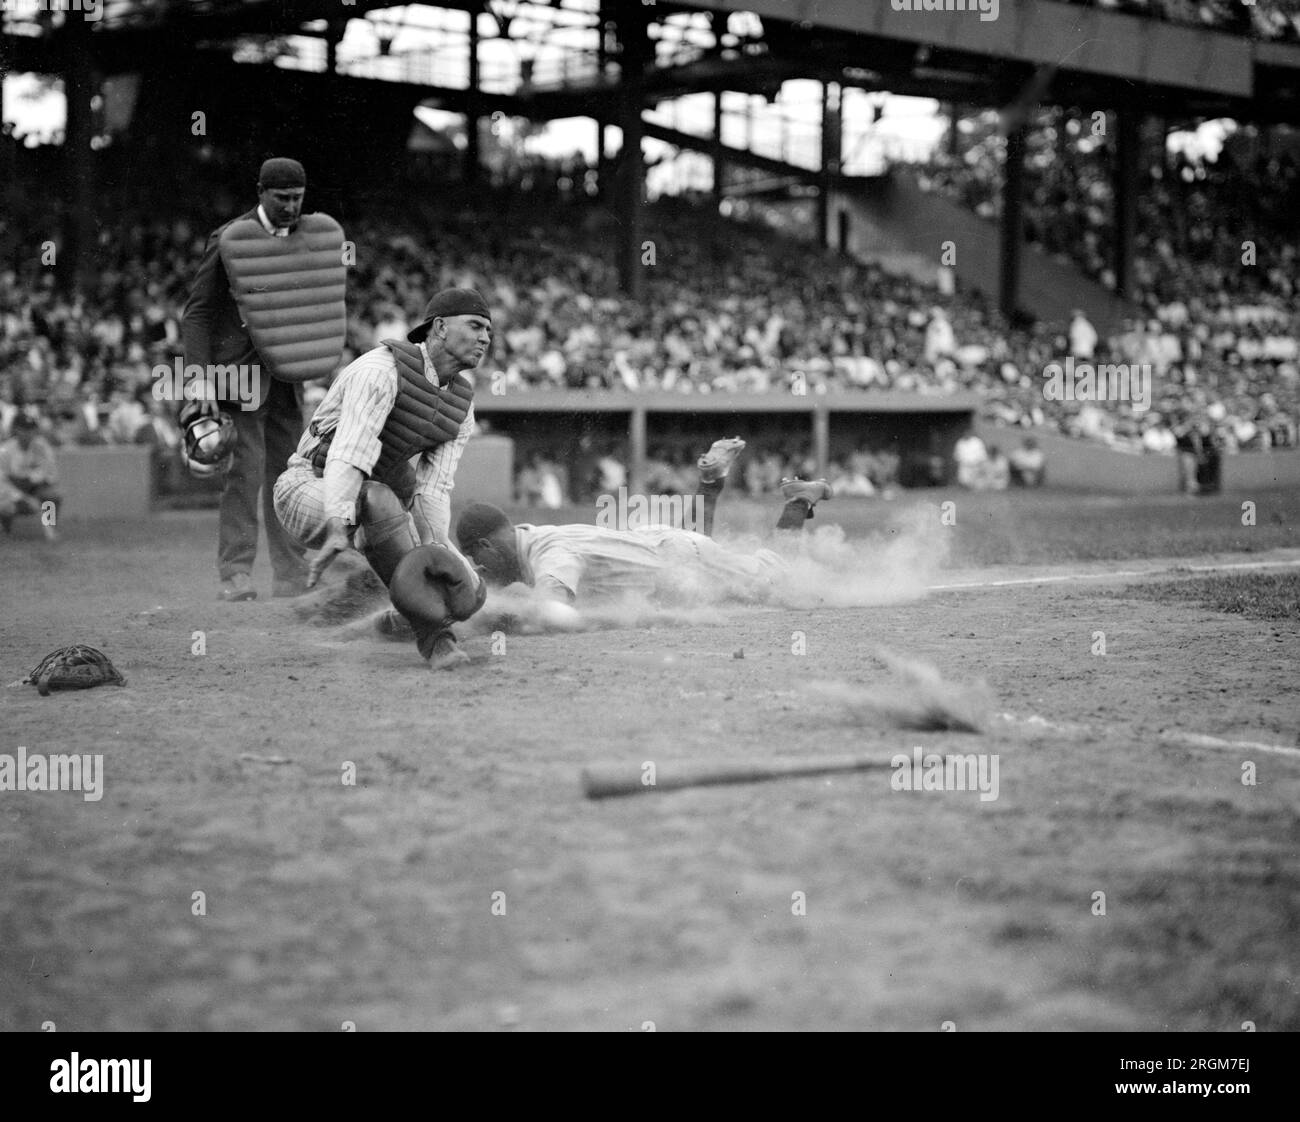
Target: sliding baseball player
579 565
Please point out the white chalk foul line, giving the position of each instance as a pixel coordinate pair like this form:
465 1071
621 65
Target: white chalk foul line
1175 737
1243 565
1199 740
1113 574
1035 721
1037 580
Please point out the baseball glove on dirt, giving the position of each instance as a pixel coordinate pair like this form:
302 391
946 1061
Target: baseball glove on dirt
77 667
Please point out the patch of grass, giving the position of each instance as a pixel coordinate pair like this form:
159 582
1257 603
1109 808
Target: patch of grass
1019 527
1256 595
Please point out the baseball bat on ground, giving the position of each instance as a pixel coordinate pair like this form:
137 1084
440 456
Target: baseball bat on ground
602 781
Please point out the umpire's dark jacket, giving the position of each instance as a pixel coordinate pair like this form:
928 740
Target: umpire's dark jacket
212 329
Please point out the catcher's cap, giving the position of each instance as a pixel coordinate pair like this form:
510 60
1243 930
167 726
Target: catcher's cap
449 302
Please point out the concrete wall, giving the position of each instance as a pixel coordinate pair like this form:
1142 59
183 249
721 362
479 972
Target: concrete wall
486 471
104 483
1262 470
114 482
1080 465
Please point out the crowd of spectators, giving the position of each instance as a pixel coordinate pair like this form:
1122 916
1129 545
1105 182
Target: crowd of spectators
1215 260
728 308
1263 19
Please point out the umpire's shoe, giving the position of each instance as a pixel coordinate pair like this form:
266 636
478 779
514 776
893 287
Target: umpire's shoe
238 587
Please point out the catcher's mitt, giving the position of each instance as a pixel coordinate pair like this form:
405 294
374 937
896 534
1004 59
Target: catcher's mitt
77 667
432 585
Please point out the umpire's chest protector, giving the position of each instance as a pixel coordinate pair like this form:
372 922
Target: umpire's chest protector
424 415
290 292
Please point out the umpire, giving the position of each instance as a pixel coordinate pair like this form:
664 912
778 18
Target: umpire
213 334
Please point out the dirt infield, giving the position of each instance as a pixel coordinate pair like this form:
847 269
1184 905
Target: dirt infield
463 882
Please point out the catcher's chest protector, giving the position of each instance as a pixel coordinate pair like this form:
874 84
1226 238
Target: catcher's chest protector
424 415
290 292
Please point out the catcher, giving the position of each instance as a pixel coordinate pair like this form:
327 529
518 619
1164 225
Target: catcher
351 483
579 563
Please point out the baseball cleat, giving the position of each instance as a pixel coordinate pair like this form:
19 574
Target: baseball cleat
447 655
812 491
238 587
717 461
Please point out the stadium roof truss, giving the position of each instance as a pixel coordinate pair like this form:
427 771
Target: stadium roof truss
611 60
554 58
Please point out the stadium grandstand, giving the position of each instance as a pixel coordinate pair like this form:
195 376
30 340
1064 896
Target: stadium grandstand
891 223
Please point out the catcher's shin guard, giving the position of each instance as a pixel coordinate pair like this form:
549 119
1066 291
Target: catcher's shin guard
389 535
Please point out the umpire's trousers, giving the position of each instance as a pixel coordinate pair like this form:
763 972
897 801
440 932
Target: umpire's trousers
265 438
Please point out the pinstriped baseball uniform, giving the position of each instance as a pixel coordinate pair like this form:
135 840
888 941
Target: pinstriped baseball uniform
586 563
355 410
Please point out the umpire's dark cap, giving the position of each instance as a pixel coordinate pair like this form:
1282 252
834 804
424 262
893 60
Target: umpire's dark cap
282 172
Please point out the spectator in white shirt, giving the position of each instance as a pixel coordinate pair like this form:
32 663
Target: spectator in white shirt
970 455
1083 336
29 476
940 340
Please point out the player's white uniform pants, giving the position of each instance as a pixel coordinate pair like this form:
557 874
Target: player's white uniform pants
300 506
697 566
